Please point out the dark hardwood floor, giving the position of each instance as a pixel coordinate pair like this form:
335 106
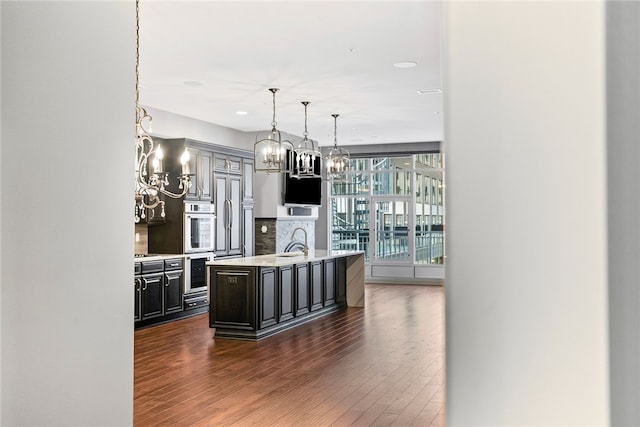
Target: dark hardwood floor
382 365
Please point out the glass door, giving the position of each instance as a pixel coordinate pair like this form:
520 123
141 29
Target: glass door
391 226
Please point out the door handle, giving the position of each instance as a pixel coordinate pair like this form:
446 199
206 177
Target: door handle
230 213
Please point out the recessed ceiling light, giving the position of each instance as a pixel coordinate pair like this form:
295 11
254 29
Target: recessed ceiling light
405 64
428 91
437 113
193 83
241 113
351 50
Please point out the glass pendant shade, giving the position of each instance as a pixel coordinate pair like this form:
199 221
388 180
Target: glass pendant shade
271 154
337 160
150 176
307 158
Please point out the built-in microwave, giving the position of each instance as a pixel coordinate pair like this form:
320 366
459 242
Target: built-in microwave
199 227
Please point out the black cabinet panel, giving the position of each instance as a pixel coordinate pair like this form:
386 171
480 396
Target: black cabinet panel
315 285
233 298
341 280
172 291
268 297
287 294
329 281
302 289
152 295
137 288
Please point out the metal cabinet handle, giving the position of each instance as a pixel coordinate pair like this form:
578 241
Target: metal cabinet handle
230 213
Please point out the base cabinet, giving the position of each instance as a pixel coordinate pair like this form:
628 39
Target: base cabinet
233 298
315 285
286 293
330 282
251 303
158 291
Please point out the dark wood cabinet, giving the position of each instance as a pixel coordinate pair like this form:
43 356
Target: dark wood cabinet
200 168
302 289
329 281
158 290
254 301
152 295
341 280
172 291
315 285
268 297
137 289
233 298
286 288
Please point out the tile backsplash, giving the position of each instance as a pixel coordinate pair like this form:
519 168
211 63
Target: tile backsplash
274 235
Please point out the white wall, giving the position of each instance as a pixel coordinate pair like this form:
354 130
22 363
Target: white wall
170 125
526 291
66 212
623 152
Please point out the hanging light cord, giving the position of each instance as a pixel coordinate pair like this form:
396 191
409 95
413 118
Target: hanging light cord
137 51
305 134
273 121
335 130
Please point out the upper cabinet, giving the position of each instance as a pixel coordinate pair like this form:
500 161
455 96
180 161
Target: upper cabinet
200 168
247 187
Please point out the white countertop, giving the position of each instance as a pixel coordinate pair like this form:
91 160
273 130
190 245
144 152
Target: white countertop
288 258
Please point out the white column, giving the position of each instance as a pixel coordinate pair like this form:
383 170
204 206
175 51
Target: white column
526 290
67 145
623 187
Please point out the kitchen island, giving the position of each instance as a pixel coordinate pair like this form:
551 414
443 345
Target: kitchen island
255 297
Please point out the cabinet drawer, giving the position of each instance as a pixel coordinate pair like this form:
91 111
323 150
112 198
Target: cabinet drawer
173 264
152 267
193 303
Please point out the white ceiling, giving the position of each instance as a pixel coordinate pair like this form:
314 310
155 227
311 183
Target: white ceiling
239 49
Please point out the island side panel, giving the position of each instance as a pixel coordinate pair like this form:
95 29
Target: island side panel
233 298
355 280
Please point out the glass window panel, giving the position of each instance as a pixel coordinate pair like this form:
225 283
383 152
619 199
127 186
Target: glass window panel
358 164
391 236
391 163
357 184
350 224
389 183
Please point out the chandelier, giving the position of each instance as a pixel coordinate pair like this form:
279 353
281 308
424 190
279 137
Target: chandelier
306 154
271 154
337 161
151 179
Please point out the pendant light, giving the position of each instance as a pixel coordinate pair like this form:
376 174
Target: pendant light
306 155
272 154
150 184
337 161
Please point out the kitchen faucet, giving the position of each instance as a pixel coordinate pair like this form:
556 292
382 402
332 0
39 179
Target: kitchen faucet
306 247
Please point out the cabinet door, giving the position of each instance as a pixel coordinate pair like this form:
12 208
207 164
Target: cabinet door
222 214
152 295
137 288
172 291
248 240
267 297
235 223
233 298
204 172
247 180
341 280
302 289
315 284
286 287
194 188
329 282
